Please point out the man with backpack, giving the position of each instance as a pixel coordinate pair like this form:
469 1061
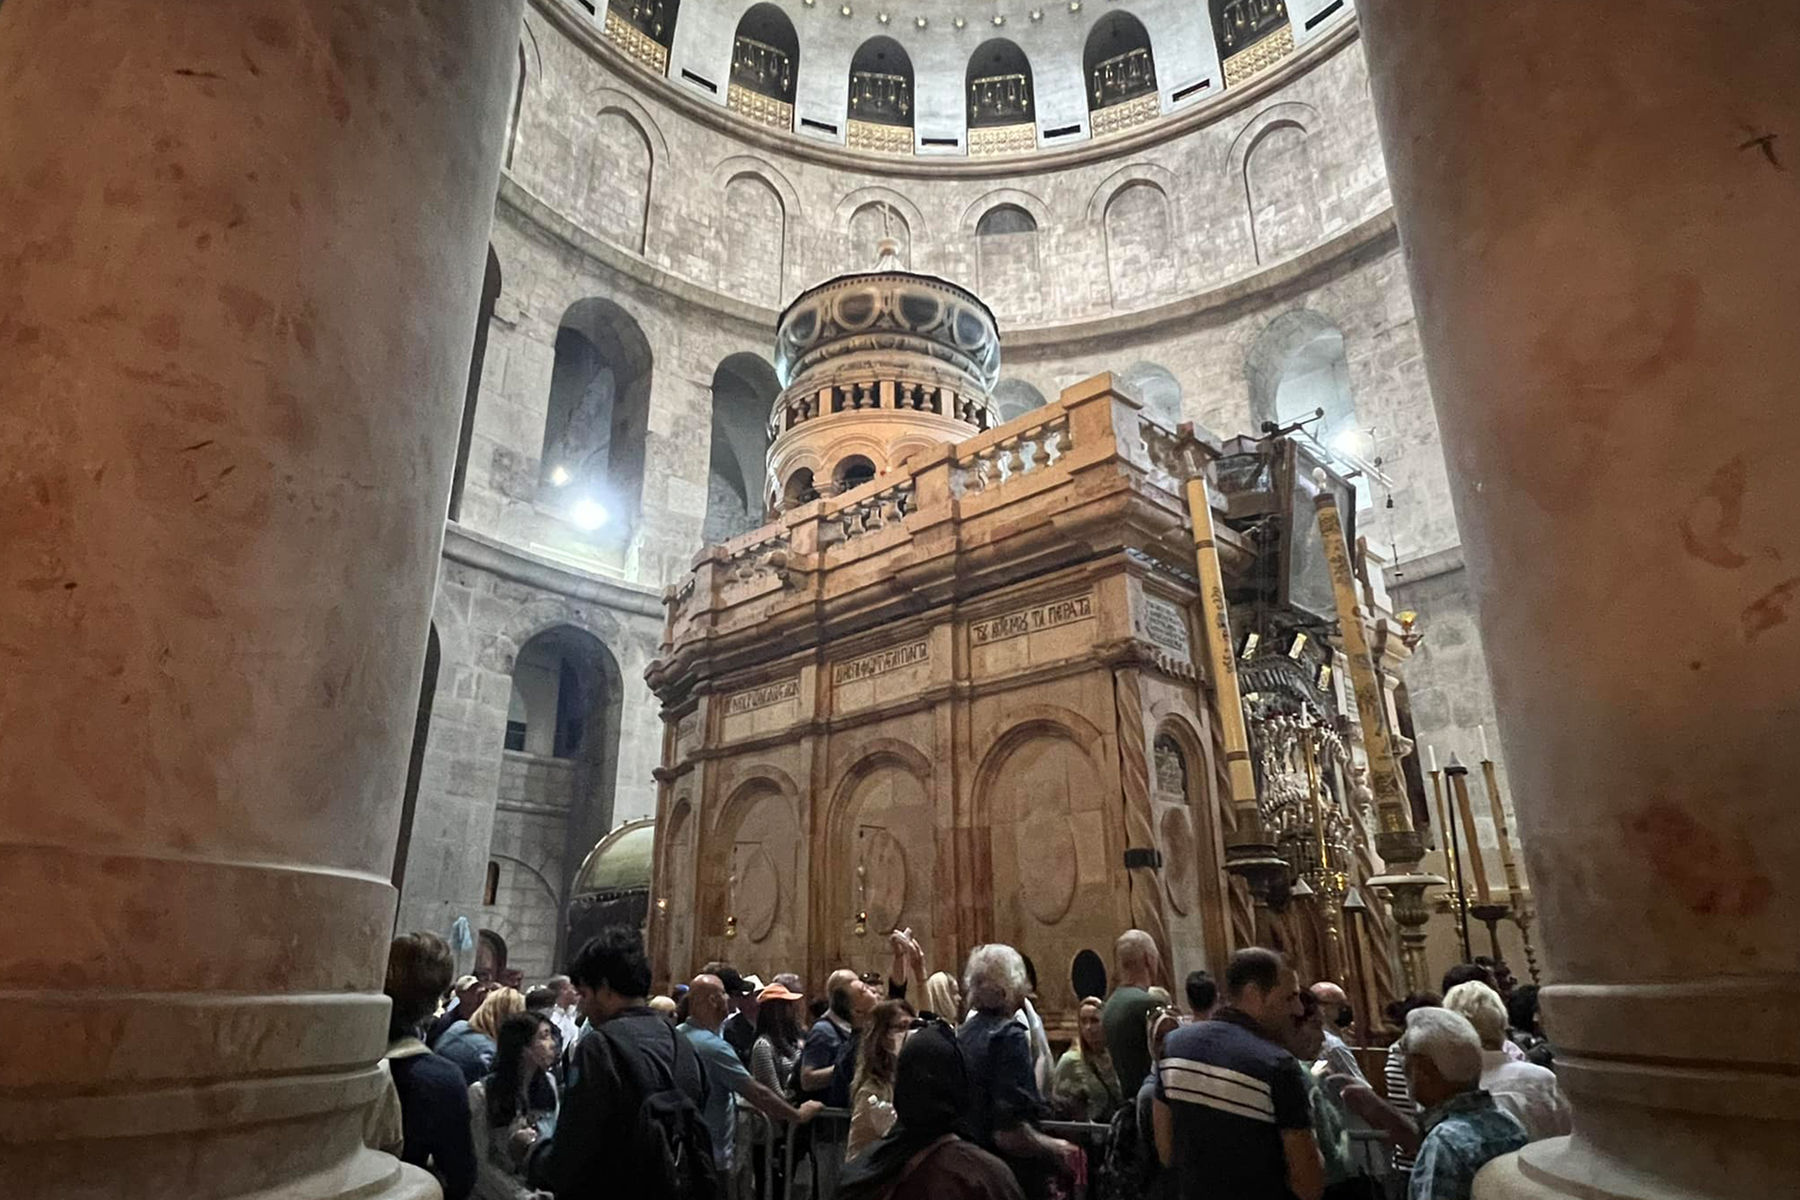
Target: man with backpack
631 1121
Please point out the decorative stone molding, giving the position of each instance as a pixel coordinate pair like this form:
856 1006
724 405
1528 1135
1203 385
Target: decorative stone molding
1115 118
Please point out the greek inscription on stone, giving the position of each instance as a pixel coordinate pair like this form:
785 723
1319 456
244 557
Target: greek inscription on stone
1166 625
880 663
751 699
1031 620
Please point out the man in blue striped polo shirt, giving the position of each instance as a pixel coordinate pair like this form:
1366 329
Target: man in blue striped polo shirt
1233 1119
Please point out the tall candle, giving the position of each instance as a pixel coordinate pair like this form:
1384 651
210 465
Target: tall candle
1431 755
1481 732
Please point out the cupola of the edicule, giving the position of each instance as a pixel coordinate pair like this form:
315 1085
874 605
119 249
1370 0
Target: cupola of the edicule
875 366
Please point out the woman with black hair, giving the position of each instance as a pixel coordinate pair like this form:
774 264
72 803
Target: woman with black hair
927 1154
515 1104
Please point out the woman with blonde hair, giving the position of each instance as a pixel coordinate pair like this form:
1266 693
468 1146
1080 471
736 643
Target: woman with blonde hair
943 998
470 1044
1084 1084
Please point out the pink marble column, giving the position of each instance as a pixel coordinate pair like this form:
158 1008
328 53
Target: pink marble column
1600 205
241 248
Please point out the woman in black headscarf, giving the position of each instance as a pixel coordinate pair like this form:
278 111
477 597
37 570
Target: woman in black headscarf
926 1155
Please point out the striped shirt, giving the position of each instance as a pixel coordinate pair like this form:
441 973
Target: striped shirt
1399 1094
1232 1092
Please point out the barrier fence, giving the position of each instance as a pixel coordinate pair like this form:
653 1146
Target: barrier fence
778 1161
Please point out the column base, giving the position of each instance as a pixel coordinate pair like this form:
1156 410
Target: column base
371 1175
1563 1169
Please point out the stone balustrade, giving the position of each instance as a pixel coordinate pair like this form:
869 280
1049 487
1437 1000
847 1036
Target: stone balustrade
898 395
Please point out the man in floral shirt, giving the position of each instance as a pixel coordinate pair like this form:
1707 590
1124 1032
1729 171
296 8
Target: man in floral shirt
1463 1130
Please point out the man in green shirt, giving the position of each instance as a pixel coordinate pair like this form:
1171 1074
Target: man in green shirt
1137 963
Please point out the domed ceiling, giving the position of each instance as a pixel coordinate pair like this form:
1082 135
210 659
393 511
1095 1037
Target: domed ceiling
974 78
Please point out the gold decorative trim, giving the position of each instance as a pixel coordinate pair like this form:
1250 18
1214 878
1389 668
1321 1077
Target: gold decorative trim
883 139
764 110
1124 115
1246 64
639 46
1002 139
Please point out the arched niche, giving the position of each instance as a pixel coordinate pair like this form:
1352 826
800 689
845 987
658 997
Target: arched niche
615 202
1297 366
597 420
673 901
1158 390
852 471
880 855
1182 807
744 388
997 87
765 57
748 879
1140 237
1006 258
881 97
1040 796
465 437
561 755
1117 64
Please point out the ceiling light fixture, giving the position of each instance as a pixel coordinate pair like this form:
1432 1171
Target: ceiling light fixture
959 22
1074 5
844 10
882 17
999 19
1037 14
921 22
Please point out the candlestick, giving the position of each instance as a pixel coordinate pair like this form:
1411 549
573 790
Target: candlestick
1508 864
1459 785
1459 899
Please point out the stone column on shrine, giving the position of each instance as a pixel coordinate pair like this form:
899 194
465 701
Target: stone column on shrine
1600 206
241 250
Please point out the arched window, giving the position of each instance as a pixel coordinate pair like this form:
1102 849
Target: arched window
592 466
799 489
1297 367
1014 398
881 98
853 472
1157 389
490 888
765 59
1002 111
490 293
645 29
1120 74
744 388
557 788
1240 26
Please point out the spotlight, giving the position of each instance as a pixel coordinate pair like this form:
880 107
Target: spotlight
559 475
1352 442
588 514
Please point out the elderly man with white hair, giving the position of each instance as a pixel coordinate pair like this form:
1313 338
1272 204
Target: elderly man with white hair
1527 1091
1464 1130
1004 1096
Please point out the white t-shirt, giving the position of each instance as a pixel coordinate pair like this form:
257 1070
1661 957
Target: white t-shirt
1527 1091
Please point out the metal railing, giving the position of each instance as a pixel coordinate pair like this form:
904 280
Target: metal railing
803 1162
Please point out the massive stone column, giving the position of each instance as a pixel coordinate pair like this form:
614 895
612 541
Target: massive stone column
241 248
1600 205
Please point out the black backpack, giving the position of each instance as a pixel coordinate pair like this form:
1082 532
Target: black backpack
669 1139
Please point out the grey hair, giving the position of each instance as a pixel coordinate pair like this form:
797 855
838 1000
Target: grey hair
995 978
1482 1006
1448 1040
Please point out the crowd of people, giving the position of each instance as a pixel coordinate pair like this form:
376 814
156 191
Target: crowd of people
590 1085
